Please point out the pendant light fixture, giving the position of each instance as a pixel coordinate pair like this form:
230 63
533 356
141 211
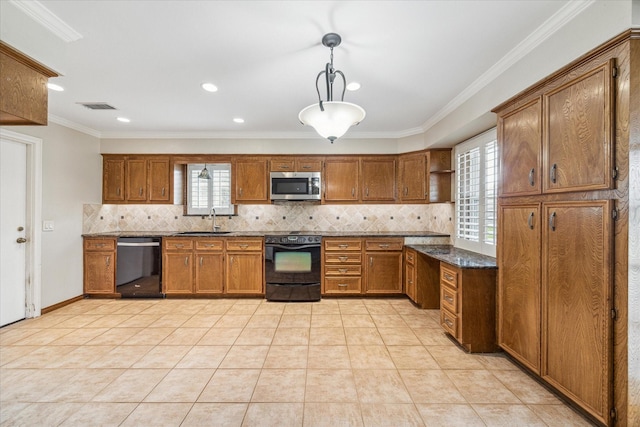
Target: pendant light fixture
331 119
204 173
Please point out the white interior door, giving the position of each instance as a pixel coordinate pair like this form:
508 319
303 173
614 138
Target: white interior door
13 222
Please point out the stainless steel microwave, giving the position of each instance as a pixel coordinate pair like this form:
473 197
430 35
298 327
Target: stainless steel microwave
295 186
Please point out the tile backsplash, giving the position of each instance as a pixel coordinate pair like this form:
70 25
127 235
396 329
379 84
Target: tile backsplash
277 217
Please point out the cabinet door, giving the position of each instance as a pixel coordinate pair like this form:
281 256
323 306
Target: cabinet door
251 180
519 270
383 272
578 139
520 145
341 180
411 186
159 180
209 272
410 281
177 273
378 179
113 180
244 273
576 302
136 180
99 272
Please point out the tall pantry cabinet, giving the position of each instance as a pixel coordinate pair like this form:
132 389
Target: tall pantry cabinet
563 228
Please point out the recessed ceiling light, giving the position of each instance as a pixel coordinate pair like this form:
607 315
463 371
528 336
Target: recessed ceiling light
238 120
353 86
55 87
209 87
123 119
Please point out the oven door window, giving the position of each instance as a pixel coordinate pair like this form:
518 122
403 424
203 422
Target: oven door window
292 262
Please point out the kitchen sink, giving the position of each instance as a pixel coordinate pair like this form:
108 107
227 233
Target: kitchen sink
203 233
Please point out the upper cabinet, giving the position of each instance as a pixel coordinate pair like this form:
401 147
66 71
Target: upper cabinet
440 174
296 164
250 177
136 179
378 179
578 137
520 133
411 178
341 179
23 88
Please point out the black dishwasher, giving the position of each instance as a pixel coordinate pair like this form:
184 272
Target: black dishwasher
139 267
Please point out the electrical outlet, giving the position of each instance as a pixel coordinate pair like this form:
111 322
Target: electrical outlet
47 226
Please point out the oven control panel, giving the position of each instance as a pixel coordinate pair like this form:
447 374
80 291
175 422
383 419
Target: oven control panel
293 239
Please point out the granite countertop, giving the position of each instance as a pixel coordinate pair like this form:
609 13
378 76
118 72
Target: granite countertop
455 256
266 233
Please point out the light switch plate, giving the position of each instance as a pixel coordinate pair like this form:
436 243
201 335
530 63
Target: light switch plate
47 226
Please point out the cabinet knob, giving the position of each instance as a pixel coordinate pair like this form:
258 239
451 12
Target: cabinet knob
21 240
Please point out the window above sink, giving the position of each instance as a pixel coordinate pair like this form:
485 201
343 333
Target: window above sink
205 194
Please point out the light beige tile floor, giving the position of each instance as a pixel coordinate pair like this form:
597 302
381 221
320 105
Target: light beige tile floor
249 362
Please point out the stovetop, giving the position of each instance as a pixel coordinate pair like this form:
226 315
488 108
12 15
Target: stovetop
293 237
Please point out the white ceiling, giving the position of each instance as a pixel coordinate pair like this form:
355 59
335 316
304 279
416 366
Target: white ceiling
414 59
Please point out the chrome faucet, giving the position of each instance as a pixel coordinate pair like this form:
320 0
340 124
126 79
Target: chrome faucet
212 214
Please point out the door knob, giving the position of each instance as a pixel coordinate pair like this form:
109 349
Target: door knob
21 240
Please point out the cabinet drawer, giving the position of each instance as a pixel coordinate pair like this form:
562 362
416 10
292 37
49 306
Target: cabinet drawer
343 285
343 270
449 322
343 245
282 165
99 244
209 244
244 245
177 244
448 276
384 244
449 299
343 258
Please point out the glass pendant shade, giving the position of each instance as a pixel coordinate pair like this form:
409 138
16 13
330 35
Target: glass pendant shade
204 173
334 121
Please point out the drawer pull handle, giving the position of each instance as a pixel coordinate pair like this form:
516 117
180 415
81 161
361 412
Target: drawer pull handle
284 166
343 258
448 277
531 177
243 246
383 245
342 285
448 299
343 246
343 270
99 245
179 245
209 245
411 282
530 221
448 322
306 167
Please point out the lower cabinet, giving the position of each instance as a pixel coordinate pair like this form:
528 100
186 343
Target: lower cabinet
99 265
244 266
468 306
422 279
410 256
212 266
383 266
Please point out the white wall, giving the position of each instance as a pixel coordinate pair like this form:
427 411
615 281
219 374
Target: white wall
72 176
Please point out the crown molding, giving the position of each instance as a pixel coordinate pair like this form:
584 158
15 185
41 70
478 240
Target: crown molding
75 126
542 33
39 13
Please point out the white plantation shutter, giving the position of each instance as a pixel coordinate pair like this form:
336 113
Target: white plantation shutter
204 194
476 193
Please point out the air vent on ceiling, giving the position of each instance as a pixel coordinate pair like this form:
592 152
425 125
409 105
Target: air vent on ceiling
97 105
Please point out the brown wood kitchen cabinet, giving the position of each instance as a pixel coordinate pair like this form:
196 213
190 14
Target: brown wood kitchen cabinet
410 256
24 95
468 306
296 164
421 278
411 178
440 174
99 265
244 268
383 265
341 178
177 265
250 180
378 179
209 266
136 179
341 266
